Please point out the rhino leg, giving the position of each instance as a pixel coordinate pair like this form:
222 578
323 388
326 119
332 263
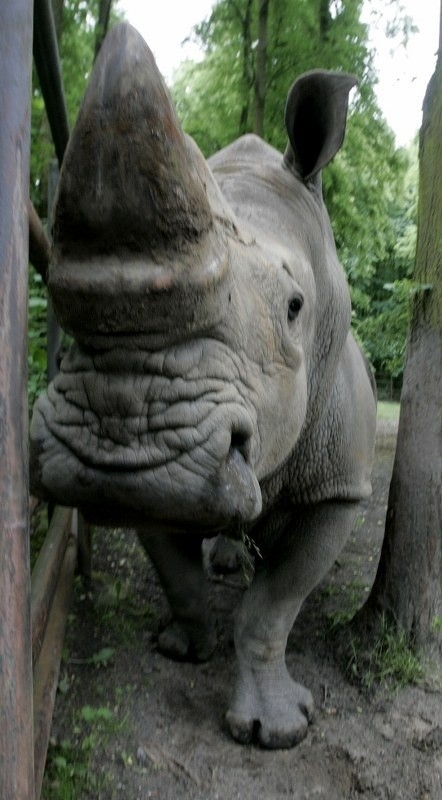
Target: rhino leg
267 703
190 635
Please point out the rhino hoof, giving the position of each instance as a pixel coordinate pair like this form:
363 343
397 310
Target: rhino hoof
176 641
273 728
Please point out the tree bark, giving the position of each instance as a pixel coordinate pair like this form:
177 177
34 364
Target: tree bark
102 24
408 582
325 19
57 10
247 70
260 73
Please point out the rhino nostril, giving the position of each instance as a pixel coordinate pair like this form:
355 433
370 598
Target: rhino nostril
241 442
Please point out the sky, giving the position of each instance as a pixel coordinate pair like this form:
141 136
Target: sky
403 73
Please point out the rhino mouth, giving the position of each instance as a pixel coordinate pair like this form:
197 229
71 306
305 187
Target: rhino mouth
127 436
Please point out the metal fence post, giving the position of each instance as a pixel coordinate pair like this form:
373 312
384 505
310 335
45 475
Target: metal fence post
16 735
53 329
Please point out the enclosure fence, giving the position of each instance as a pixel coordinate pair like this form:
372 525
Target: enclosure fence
33 609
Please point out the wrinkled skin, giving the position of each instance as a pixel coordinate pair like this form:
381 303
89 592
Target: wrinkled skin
212 383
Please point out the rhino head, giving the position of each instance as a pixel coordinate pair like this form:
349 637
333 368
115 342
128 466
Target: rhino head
205 301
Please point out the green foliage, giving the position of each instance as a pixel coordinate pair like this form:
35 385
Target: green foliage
390 661
388 411
369 189
384 331
103 658
76 46
382 322
76 22
69 770
213 95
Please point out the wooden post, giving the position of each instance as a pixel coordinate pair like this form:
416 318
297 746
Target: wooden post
16 725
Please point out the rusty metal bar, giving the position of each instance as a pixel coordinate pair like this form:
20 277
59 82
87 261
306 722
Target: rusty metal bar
16 734
84 547
47 668
39 244
53 330
47 62
45 575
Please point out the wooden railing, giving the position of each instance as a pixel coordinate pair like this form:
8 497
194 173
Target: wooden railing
33 612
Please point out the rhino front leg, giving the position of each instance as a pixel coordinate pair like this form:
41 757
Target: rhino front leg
267 703
190 635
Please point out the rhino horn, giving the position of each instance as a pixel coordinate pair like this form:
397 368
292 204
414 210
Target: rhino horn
129 178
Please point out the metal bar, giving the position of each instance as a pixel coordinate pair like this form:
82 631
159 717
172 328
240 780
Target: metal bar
47 62
102 24
84 529
54 332
16 734
45 575
39 244
47 667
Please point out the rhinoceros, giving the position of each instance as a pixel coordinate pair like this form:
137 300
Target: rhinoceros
212 384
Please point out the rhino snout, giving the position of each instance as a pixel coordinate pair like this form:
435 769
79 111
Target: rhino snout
236 486
124 432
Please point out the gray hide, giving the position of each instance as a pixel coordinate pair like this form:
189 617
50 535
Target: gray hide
212 383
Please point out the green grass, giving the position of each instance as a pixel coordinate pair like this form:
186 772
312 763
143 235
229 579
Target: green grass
389 662
388 410
69 771
351 596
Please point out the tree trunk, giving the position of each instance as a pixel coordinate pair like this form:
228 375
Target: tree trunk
325 19
247 70
57 10
408 583
102 24
260 75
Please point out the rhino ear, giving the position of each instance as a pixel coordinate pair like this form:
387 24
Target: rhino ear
315 117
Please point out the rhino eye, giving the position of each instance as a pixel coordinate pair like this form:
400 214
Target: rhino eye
295 306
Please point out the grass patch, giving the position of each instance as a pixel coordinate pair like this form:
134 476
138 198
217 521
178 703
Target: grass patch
386 660
350 597
388 410
70 774
117 612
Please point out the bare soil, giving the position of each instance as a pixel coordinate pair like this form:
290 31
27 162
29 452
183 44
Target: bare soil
169 739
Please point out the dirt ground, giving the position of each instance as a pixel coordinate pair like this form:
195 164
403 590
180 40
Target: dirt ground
154 728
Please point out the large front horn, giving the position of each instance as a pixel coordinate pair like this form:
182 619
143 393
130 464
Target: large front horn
129 177
137 247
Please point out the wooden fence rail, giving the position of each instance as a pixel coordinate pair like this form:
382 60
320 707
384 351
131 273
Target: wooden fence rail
32 615
51 592
16 727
